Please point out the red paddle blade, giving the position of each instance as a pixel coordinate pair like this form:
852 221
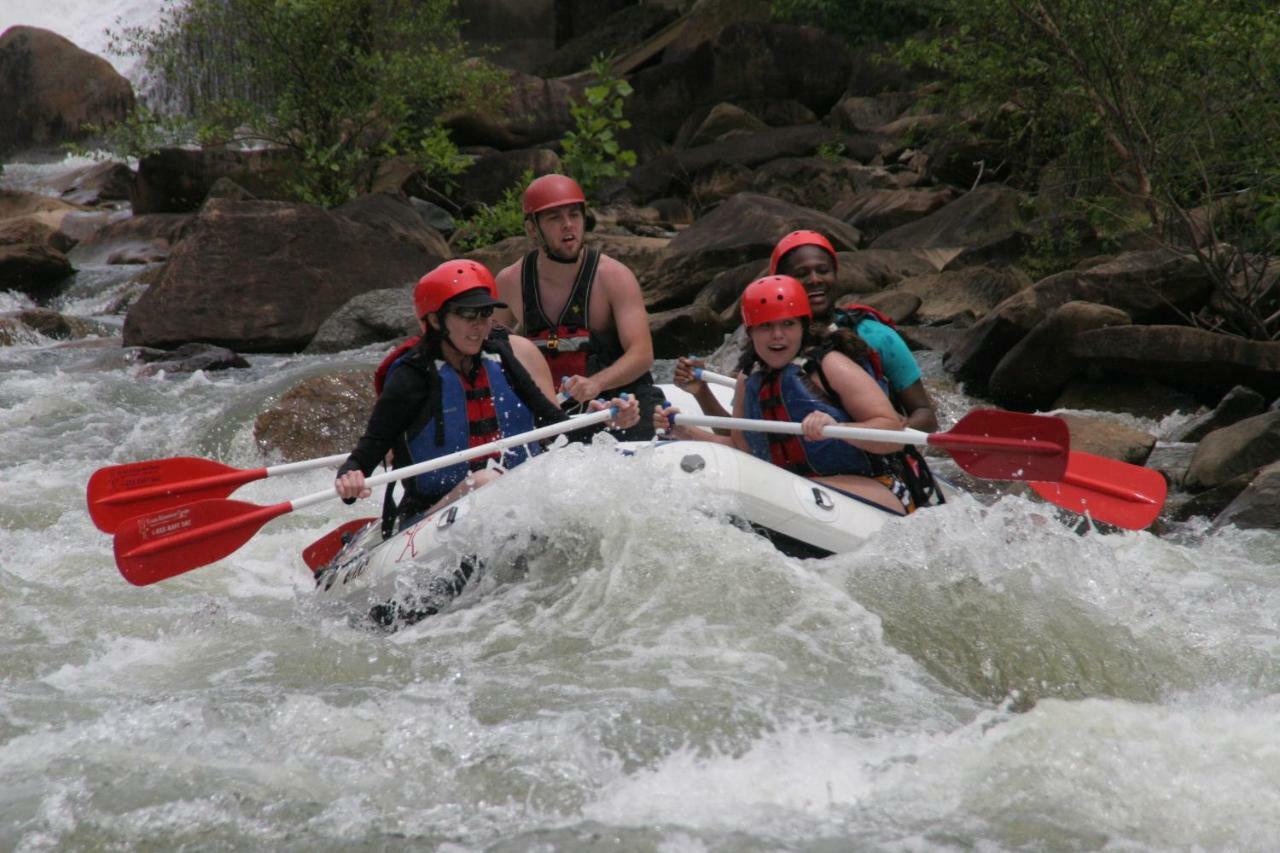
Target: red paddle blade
321 552
998 445
1128 496
154 547
120 492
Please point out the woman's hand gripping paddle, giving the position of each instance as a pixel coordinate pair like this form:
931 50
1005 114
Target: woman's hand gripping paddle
988 443
120 492
1107 490
160 545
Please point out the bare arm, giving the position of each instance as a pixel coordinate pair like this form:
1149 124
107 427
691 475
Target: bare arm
919 407
529 356
631 320
508 280
862 398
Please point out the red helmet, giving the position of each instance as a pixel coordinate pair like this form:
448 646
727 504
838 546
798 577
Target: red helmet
449 280
551 191
795 240
774 297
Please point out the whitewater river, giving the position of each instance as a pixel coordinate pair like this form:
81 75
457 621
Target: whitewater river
980 676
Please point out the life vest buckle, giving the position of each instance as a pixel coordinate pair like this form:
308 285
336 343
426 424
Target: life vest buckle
553 343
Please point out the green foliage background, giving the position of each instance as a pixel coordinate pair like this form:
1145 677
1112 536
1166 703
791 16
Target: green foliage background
340 82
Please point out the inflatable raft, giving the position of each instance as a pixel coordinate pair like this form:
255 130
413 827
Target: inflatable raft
800 517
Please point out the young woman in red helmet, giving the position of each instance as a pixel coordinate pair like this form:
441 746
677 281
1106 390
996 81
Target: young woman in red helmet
794 372
462 384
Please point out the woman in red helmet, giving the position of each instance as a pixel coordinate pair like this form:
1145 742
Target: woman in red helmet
462 384
793 372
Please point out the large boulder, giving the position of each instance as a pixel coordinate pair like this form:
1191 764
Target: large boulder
491 175
178 180
319 416
989 214
50 90
878 210
110 180
261 276
1150 286
33 268
1207 364
393 215
1258 506
677 172
744 60
1235 450
133 240
1239 403
1034 372
379 315
742 229
962 294
1108 438
536 110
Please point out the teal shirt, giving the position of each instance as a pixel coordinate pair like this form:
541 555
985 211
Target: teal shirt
900 368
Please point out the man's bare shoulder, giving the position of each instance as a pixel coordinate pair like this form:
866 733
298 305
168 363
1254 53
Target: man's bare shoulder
510 271
614 272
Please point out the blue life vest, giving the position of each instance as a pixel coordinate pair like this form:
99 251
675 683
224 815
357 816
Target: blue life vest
793 402
454 433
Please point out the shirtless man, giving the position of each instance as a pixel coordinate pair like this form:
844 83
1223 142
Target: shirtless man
582 308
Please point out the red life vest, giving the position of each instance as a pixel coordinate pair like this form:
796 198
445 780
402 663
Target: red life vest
482 416
785 451
567 344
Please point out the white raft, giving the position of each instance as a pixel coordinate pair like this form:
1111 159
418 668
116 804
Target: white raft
802 518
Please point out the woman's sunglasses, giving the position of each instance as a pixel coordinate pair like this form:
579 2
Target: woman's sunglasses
471 314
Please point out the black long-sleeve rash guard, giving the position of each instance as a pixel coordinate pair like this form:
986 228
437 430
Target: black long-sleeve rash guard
410 399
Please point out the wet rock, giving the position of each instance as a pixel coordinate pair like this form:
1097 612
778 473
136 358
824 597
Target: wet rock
880 210
1231 451
742 229
1200 362
1143 398
969 293
178 180
817 182
987 214
1257 507
745 59
537 110
490 176
33 269
1036 369
680 331
392 214
621 31
1110 439
189 358
722 120
898 305
675 173
50 90
1172 459
261 276
101 182
379 315
1151 287
1208 504
133 239
1238 404
319 416
31 325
